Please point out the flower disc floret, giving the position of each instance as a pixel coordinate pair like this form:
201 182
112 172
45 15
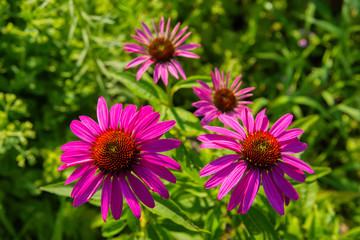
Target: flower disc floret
224 99
114 151
261 149
161 49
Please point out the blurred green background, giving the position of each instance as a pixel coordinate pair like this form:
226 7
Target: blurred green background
58 57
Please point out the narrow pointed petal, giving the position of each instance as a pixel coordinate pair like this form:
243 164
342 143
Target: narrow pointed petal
102 114
157 131
293 147
295 162
137 61
224 131
161 26
160 159
106 197
174 31
143 68
186 54
238 193
172 70
182 39
228 121
179 68
115 114
160 171
283 184
289 134
248 121
88 190
273 195
81 131
78 172
140 190
126 115
160 145
292 172
167 28
76 146
147 30
209 117
236 81
116 201
91 125
251 190
218 164
233 178
157 73
219 177
79 184
280 125
74 156
189 46
164 74
129 196
261 121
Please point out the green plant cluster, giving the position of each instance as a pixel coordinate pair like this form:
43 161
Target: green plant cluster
58 57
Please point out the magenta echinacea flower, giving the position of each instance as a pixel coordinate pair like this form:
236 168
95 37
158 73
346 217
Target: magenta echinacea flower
221 100
121 153
260 156
161 49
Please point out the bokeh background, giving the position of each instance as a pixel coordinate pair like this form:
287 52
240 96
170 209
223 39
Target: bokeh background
58 57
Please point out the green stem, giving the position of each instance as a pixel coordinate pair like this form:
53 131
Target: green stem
169 93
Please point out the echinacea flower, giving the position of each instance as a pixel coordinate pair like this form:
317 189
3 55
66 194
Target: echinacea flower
121 153
260 156
161 49
222 99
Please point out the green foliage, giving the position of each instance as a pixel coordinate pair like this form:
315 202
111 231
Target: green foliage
58 57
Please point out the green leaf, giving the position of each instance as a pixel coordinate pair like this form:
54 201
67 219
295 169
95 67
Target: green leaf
113 227
144 89
352 234
190 82
65 190
186 121
257 223
319 172
170 210
306 122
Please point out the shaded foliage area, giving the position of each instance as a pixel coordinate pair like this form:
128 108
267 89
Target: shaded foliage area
58 57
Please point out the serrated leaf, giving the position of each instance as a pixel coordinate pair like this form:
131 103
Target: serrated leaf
167 208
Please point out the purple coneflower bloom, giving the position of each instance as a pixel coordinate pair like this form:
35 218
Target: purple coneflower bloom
260 155
221 100
161 49
122 154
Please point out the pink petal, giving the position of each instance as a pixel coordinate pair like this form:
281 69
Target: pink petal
102 114
164 73
105 197
179 68
295 162
220 140
219 177
274 196
74 156
167 28
224 131
283 184
78 173
147 30
135 47
174 30
141 40
205 86
231 180
289 134
157 131
292 172
160 171
238 193
210 116
160 145
248 121
182 31
88 190
219 164
229 121
280 125
293 147
157 73
76 145
137 61
143 68
84 178
126 115
140 190
202 103
114 114
155 28
261 121
116 200
91 125
172 70
81 131
203 94
189 46
130 197
251 190
160 159
150 179
161 26
185 54
182 39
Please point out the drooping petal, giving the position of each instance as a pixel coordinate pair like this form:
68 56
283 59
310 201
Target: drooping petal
218 164
143 68
219 177
150 179
283 184
210 116
292 172
78 172
106 197
273 195
238 193
232 179
116 201
172 70
160 171
102 114
79 184
251 190
179 68
140 190
295 162
164 73
88 190
129 196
